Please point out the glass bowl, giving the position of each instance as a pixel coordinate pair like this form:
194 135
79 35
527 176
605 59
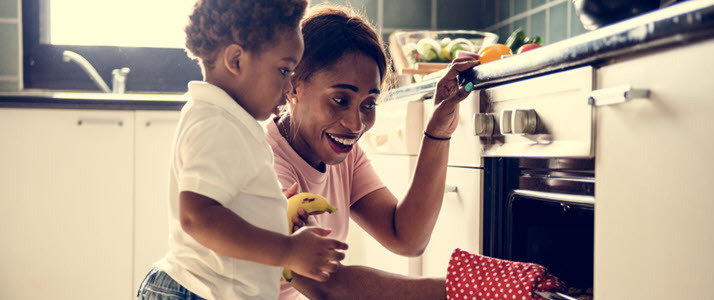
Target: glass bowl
428 46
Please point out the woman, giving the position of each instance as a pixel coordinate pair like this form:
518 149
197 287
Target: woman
332 104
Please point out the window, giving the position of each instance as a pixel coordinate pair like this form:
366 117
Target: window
143 35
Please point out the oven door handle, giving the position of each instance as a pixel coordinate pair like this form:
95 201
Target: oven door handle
555 296
577 199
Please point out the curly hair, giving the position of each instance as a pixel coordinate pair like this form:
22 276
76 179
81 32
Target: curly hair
329 32
215 24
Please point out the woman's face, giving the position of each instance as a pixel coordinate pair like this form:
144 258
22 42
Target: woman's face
334 107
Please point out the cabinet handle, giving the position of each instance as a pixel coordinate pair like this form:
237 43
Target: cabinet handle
149 122
451 189
92 121
616 95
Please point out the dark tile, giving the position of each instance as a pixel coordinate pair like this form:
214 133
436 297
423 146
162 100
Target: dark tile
538 25
576 28
9 50
558 23
503 7
521 23
459 14
536 3
407 14
519 6
488 13
8 8
503 33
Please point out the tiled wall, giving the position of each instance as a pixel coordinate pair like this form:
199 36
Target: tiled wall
554 20
10 46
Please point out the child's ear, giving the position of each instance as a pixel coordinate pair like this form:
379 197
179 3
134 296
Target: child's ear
232 57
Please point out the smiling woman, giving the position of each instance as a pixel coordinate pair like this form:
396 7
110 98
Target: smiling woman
145 36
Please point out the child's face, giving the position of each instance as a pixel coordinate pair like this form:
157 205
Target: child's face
266 75
334 107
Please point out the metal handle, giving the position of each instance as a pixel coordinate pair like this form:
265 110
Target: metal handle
155 121
616 95
92 121
450 189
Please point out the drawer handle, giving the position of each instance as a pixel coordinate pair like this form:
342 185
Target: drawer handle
616 95
450 189
156 121
91 121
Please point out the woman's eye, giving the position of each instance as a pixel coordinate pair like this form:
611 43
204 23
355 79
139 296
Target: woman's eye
370 106
286 72
340 101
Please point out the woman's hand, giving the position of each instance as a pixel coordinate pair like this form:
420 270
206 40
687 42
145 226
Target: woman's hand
302 218
313 255
448 95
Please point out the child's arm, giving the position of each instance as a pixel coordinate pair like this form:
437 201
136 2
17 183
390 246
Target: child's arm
214 226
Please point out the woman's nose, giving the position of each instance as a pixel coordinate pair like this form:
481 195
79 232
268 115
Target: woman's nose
352 120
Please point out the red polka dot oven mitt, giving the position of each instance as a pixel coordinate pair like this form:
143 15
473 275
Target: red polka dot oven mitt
472 276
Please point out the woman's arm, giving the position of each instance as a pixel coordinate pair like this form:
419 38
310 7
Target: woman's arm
405 227
358 282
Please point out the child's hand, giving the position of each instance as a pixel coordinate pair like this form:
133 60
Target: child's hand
313 255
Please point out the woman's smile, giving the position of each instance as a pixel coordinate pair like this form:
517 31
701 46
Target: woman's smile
341 144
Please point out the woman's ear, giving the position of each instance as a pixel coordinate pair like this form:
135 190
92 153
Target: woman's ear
293 94
232 57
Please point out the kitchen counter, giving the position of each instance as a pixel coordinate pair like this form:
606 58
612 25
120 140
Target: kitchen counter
676 25
91 100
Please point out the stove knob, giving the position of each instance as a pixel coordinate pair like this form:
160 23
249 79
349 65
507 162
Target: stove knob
524 121
506 122
484 124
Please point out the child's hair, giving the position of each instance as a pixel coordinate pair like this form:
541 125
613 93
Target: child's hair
214 24
331 31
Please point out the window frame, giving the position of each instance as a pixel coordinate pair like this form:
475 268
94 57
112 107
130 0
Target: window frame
152 69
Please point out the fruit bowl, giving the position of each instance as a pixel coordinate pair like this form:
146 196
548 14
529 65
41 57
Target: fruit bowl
440 46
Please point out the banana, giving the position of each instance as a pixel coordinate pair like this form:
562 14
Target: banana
310 203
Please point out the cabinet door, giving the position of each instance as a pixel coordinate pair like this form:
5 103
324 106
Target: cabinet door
66 217
394 172
154 136
459 223
653 168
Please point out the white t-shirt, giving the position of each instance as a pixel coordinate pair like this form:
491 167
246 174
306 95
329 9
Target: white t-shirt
220 152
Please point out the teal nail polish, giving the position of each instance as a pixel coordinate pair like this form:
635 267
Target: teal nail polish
469 86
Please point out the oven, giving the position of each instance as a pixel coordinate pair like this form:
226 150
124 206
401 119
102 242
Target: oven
535 140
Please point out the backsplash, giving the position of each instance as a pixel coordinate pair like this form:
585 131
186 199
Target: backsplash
554 20
10 47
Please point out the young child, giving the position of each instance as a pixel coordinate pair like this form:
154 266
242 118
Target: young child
227 220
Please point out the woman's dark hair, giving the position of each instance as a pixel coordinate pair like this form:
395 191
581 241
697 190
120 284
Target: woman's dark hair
331 31
215 24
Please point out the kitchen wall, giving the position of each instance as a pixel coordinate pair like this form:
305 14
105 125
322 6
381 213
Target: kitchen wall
554 20
10 46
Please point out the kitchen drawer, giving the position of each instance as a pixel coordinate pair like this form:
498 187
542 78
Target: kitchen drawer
397 129
464 147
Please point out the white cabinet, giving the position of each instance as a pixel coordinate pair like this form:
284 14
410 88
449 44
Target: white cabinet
459 222
66 217
154 137
654 163
85 201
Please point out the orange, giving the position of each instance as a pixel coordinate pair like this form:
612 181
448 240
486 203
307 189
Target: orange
493 52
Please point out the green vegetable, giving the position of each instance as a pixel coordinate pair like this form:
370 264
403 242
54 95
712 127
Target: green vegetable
534 40
516 39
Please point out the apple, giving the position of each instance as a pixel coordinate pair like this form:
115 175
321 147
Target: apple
527 47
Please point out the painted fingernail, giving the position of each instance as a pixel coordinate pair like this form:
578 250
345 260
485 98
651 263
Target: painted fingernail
469 86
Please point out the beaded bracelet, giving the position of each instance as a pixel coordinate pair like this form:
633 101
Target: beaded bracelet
436 138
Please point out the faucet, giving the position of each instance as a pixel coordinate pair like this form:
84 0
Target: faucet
118 75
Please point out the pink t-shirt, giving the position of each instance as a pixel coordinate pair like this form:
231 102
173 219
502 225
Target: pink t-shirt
342 185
